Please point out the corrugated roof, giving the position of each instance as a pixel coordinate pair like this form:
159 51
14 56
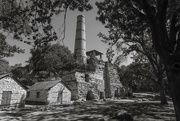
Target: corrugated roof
43 85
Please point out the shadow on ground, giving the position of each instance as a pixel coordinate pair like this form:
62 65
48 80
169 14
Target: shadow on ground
93 111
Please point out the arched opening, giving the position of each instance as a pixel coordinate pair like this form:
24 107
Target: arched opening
90 95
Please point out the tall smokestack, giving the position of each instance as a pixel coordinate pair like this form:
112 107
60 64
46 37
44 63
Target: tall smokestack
80 41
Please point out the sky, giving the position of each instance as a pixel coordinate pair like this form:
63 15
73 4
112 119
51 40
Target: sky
93 42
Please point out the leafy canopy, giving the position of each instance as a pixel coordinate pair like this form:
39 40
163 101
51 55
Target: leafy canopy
50 58
7 50
33 18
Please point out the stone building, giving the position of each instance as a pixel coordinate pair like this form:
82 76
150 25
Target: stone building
49 92
12 92
103 82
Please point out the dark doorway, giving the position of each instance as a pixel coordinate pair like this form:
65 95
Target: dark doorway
60 96
6 97
101 95
90 95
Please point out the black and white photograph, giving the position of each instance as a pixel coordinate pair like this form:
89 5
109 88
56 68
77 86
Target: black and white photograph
89 60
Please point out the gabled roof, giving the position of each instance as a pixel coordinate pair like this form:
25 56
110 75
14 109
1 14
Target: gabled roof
16 80
46 85
95 52
4 75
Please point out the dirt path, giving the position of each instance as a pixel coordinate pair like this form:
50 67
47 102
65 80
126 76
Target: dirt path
93 111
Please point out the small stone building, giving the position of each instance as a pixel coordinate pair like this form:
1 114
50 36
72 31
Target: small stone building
12 92
49 92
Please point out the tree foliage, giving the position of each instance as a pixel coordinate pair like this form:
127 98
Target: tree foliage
33 18
50 59
125 40
4 66
160 20
131 76
7 50
23 74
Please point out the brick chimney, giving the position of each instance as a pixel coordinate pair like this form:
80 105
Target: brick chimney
80 41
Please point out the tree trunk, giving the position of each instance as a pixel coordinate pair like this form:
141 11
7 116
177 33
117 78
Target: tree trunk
173 75
162 94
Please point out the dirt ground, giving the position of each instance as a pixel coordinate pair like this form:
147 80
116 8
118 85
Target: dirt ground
92 111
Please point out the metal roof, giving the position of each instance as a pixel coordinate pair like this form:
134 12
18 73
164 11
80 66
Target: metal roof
43 85
46 85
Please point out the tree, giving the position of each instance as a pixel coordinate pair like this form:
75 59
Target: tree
148 67
50 59
4 66
131 77
32 18
161 19
7 50
145 68
142 49
23 74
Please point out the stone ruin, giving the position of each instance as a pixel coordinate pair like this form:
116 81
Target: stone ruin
103 82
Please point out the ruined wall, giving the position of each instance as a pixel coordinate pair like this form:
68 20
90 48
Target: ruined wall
70 79
81 82
112 81
102 83
97 81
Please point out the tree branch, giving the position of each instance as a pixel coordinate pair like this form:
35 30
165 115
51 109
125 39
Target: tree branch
174 29
148 9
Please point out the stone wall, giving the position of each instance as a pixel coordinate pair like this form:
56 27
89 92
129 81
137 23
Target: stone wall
70 79
53 94
18 92
43 95
103 82
50 96
97 81
112 81
81 82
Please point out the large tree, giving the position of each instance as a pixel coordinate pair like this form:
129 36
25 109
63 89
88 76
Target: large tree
153 70
161 19
140 46
133 76
50 59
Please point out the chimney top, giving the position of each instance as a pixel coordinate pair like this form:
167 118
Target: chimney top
80 16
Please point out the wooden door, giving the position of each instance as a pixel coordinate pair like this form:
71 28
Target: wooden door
6 97
60 96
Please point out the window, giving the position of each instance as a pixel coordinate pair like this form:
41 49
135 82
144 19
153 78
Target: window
37 94
28 94
86 77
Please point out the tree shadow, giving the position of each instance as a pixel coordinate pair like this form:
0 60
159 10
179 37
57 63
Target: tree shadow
140 111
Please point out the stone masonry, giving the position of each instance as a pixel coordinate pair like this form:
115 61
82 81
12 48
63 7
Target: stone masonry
102 83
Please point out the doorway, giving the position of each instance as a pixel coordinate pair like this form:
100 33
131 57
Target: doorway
6 98
60 96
